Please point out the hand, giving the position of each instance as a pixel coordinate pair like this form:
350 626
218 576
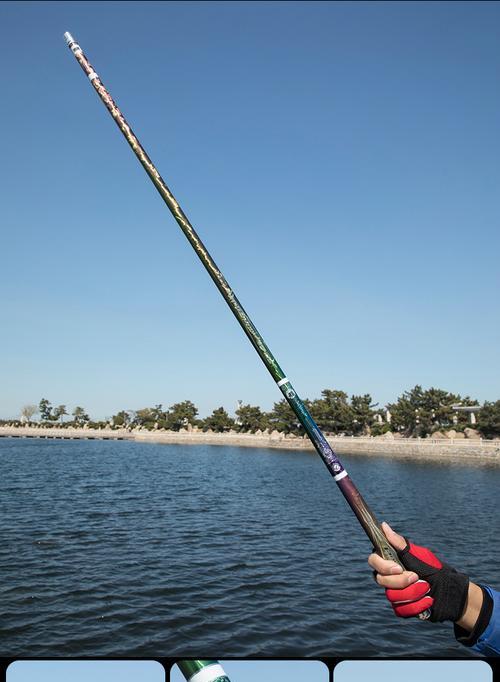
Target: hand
427 583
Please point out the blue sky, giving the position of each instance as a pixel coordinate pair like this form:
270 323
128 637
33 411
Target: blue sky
271 671
83 671
340 161
412 671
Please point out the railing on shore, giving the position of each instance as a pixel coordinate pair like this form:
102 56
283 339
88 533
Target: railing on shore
413 441
472 449
72 433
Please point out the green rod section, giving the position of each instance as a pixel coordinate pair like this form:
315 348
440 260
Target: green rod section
202 670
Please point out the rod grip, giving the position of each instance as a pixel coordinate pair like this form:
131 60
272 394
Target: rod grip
387 551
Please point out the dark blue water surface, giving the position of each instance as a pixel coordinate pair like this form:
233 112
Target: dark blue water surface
121 548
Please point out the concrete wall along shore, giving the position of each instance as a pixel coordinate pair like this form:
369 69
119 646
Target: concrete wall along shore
459 449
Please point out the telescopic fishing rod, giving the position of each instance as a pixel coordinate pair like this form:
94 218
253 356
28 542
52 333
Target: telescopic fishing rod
203 671
358 505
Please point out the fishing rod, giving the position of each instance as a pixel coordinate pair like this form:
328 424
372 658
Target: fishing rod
202 671
358 505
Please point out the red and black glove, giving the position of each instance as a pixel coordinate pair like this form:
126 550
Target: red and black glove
440 588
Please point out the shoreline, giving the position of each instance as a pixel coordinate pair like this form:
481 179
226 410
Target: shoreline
463 450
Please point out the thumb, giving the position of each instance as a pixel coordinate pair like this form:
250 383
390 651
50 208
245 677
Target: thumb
397 541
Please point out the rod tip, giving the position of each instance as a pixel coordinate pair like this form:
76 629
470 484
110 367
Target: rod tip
68 38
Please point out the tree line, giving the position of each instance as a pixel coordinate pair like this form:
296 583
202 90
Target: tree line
416 413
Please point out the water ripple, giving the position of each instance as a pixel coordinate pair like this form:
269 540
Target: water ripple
117 548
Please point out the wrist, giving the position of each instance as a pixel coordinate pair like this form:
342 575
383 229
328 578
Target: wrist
472 609
469 637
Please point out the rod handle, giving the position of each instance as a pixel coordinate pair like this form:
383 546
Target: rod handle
387 551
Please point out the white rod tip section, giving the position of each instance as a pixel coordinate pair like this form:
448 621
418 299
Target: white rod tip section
69 38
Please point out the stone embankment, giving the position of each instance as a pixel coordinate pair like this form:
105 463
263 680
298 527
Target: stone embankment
442 449
64 433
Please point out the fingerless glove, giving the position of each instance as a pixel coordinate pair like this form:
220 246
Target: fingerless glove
440 587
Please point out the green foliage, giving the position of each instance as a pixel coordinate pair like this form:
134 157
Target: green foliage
362 414
283 418
59 412
49 413
180 415
332 412
121 418
97 425
416 412
488 421
419 413
45 409
218 421
157 412
145 417
379 428
250 418
80 416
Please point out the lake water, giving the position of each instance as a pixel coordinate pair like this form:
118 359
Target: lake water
119 548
